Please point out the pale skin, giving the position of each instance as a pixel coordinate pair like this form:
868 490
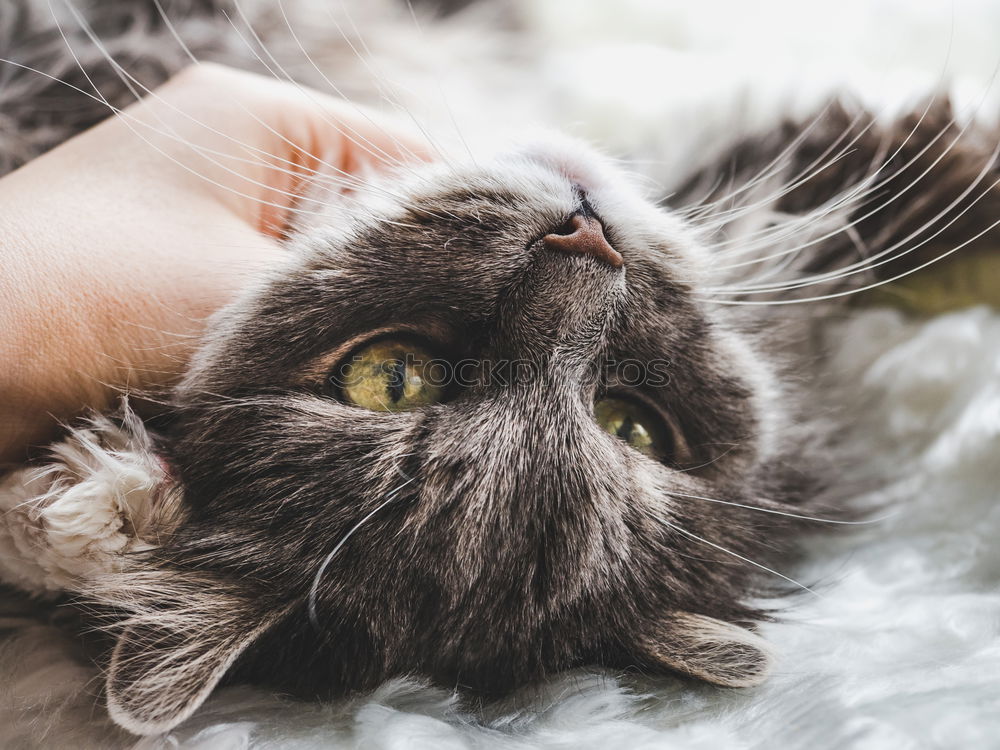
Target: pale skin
117 245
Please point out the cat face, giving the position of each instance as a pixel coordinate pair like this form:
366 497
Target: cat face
460 437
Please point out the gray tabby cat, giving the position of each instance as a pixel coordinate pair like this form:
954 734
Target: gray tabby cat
502 418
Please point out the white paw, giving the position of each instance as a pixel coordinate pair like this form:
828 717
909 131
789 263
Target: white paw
77 516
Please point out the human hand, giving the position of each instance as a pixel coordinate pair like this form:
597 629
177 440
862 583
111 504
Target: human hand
118 244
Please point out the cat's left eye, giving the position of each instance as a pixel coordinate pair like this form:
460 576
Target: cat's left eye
639 426
391 375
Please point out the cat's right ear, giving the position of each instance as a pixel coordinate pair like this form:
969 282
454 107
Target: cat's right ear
171 653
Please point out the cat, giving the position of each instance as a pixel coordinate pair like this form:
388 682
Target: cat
500 417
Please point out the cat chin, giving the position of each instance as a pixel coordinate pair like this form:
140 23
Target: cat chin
628 200
573 158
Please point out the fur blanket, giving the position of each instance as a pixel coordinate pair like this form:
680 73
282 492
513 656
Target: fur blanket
899 645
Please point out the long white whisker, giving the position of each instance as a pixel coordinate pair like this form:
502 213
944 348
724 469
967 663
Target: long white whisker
440 88
860 265
314 589
323 75
773 167
127 119
348 178
923 115
897 277
674 493
348 132
888 253
854 194
747 560
379 79
728 218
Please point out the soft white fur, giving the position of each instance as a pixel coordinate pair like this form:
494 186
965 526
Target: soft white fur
77 516
900 645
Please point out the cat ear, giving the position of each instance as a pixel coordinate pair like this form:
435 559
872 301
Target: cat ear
167 660
712 650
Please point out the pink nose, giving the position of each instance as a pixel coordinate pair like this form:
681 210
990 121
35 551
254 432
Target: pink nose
584 234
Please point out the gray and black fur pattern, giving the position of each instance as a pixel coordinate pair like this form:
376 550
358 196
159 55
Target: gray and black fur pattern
501 536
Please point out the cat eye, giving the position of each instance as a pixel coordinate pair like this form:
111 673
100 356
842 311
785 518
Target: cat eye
639 426
391 375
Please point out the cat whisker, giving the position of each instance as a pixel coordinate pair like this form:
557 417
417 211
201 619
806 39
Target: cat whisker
365 56
314 589
789 149
738 556
340 177
402 146
773 169
853 195
867 287
867 262
868 265
818 519
351 134
317 174
889 254
131 122
873 119
444 99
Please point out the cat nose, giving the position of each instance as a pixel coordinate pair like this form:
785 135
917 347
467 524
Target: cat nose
584 234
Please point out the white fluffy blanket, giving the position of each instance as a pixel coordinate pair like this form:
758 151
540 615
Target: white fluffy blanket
900 646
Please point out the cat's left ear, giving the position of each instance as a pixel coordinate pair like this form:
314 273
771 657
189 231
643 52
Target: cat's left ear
708 649
171 654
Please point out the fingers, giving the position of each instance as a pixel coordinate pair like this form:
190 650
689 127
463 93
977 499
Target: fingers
269 138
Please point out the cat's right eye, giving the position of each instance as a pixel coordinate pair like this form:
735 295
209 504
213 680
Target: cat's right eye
391 375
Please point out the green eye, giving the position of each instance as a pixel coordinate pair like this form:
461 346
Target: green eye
392 375
629 421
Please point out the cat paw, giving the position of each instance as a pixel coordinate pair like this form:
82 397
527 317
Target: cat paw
78 515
